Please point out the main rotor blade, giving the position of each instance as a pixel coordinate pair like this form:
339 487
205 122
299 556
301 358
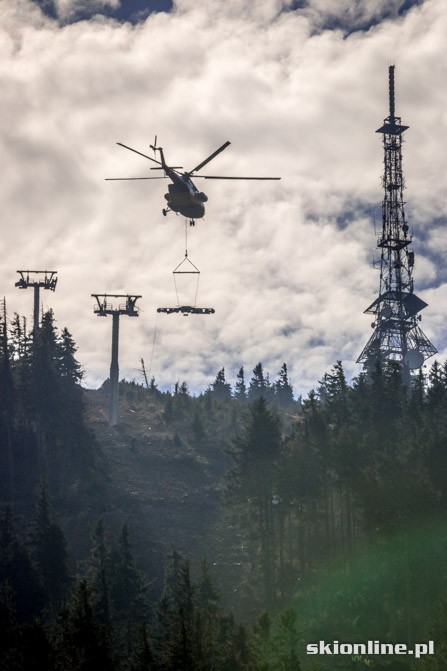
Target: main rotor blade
138 152
210 158
121 179
222 177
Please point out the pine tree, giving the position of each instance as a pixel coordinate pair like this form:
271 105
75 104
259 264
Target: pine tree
8 403
128 588
177 633
7 391
253 480
240 389
284 643
83 640
208 618
168 411
236 652
258 384
17 571
283 388
20 340
69 368
143 656
10 643
44 388
99 575
437 390
36 647
48 550
198 428
221 389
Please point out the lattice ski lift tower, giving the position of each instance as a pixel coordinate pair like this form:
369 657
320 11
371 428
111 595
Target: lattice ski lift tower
397 335
38 279
103 308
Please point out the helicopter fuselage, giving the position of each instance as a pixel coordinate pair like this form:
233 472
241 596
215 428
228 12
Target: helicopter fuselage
184 197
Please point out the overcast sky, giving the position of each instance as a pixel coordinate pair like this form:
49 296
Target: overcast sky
299 89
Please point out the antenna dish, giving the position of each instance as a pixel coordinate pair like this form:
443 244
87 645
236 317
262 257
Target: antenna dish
413 359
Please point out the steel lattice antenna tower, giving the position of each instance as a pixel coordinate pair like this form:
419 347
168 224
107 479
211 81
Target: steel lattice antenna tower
397 335
102 309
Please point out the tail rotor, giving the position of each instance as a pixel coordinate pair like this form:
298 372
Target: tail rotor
154 146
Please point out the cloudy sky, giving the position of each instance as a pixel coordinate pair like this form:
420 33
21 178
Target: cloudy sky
299 89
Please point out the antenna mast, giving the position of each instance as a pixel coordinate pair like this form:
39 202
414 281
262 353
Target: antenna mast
102 309
397 336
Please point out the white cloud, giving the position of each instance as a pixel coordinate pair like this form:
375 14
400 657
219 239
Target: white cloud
286 264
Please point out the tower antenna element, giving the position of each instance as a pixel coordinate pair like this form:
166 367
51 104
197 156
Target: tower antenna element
397 336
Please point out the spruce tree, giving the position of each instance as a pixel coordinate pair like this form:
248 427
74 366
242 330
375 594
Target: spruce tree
253 482
259 385
8 404
197 428
69 367
17 571
83 641
48 549
128 587
99 575
240 388
283 388
142 658
221 389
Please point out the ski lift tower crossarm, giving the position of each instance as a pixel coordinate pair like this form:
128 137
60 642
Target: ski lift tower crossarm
106 305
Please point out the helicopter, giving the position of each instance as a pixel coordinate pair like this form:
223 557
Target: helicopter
183 196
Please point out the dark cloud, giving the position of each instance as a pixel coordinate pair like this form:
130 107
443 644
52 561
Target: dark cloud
134 11
48 7
351 15
344 15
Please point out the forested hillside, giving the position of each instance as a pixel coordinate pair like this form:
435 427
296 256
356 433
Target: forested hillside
218 532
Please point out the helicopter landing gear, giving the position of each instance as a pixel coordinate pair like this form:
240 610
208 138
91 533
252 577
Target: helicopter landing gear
192 222
165 211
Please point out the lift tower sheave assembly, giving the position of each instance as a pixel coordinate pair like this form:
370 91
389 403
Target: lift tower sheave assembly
105 307
397 336
38 279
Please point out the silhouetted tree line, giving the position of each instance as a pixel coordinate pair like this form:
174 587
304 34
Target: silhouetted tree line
346 516
43 433
280 392
98 616
337 505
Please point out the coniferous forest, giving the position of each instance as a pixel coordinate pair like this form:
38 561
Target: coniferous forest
218 532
